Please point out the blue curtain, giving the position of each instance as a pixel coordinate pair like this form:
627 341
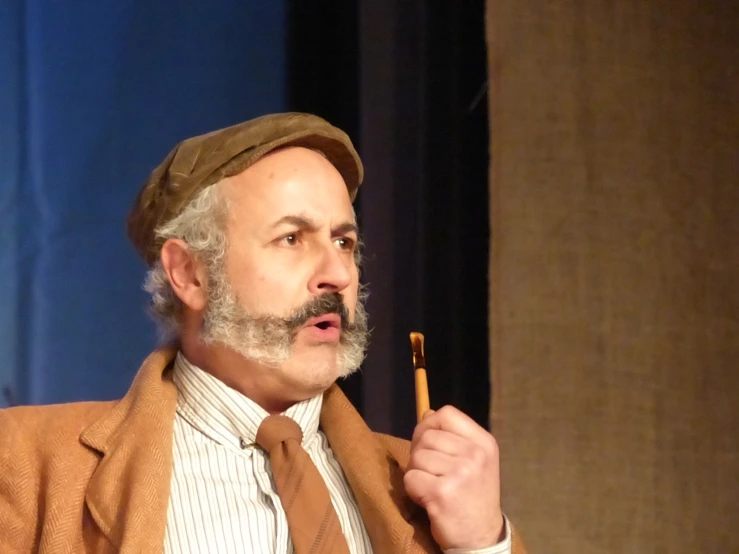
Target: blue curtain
93 96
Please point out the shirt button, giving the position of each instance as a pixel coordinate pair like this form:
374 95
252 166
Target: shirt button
242 443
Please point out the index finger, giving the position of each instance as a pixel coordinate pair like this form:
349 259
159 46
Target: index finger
454 421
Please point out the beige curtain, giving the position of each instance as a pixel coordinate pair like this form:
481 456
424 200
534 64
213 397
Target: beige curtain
615 272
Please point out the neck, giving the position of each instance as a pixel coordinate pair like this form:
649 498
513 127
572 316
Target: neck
259 383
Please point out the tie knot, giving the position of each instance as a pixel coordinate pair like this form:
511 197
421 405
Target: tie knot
276 429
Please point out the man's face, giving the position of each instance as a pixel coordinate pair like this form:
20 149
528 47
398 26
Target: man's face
287 293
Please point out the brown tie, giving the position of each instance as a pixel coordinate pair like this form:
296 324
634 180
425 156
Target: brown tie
314 525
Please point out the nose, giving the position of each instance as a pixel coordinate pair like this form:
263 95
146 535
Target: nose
333 272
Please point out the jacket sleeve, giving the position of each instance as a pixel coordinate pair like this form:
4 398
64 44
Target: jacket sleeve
18 481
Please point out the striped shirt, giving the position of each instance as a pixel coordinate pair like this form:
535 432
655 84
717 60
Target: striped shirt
222 495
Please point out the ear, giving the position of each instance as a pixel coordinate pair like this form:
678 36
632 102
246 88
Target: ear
186 274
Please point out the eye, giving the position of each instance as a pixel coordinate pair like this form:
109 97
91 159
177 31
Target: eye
345 243
290 240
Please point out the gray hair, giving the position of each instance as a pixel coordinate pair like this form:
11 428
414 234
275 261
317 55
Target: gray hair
202 226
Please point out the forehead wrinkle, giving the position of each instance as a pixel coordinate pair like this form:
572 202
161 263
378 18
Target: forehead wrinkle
301 220
305 221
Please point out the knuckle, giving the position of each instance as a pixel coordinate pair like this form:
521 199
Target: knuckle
493 446
465 470
426 440
414 459
417 434
477 456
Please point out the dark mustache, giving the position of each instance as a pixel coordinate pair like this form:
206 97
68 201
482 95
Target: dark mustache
327 303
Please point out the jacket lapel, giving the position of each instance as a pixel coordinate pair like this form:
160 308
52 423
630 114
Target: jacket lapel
376 479
128 494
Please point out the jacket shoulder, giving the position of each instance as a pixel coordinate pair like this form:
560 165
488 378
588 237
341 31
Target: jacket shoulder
51 422
38 435
41 458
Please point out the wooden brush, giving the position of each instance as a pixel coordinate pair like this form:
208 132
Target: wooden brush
422 387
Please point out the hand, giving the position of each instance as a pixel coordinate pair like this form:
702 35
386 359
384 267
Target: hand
454 473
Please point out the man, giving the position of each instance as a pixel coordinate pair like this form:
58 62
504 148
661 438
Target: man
235 438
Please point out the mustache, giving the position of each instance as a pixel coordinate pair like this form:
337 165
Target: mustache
327 303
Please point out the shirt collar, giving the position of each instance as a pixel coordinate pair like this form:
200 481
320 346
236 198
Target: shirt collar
227 416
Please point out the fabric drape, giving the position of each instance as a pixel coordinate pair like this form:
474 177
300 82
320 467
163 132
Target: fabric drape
614 305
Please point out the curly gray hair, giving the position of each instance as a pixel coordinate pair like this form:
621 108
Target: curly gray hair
202 226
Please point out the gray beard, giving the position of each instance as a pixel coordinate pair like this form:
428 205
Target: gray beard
268 339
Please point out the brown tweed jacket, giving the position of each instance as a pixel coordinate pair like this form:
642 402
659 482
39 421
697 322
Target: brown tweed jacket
95 476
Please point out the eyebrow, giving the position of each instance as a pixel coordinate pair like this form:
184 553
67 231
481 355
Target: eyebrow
305 223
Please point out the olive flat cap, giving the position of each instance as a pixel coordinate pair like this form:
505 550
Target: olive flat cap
201 161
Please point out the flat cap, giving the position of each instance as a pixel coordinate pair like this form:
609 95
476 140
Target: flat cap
201 161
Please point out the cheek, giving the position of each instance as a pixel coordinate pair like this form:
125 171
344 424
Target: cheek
274 292
350 298
248 283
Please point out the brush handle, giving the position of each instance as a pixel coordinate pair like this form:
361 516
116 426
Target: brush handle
422 393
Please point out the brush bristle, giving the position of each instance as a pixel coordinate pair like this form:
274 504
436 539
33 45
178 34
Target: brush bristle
419 360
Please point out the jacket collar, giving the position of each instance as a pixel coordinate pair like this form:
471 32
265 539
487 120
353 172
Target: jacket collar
128 494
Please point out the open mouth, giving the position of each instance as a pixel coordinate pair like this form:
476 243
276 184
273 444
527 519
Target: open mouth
325 322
